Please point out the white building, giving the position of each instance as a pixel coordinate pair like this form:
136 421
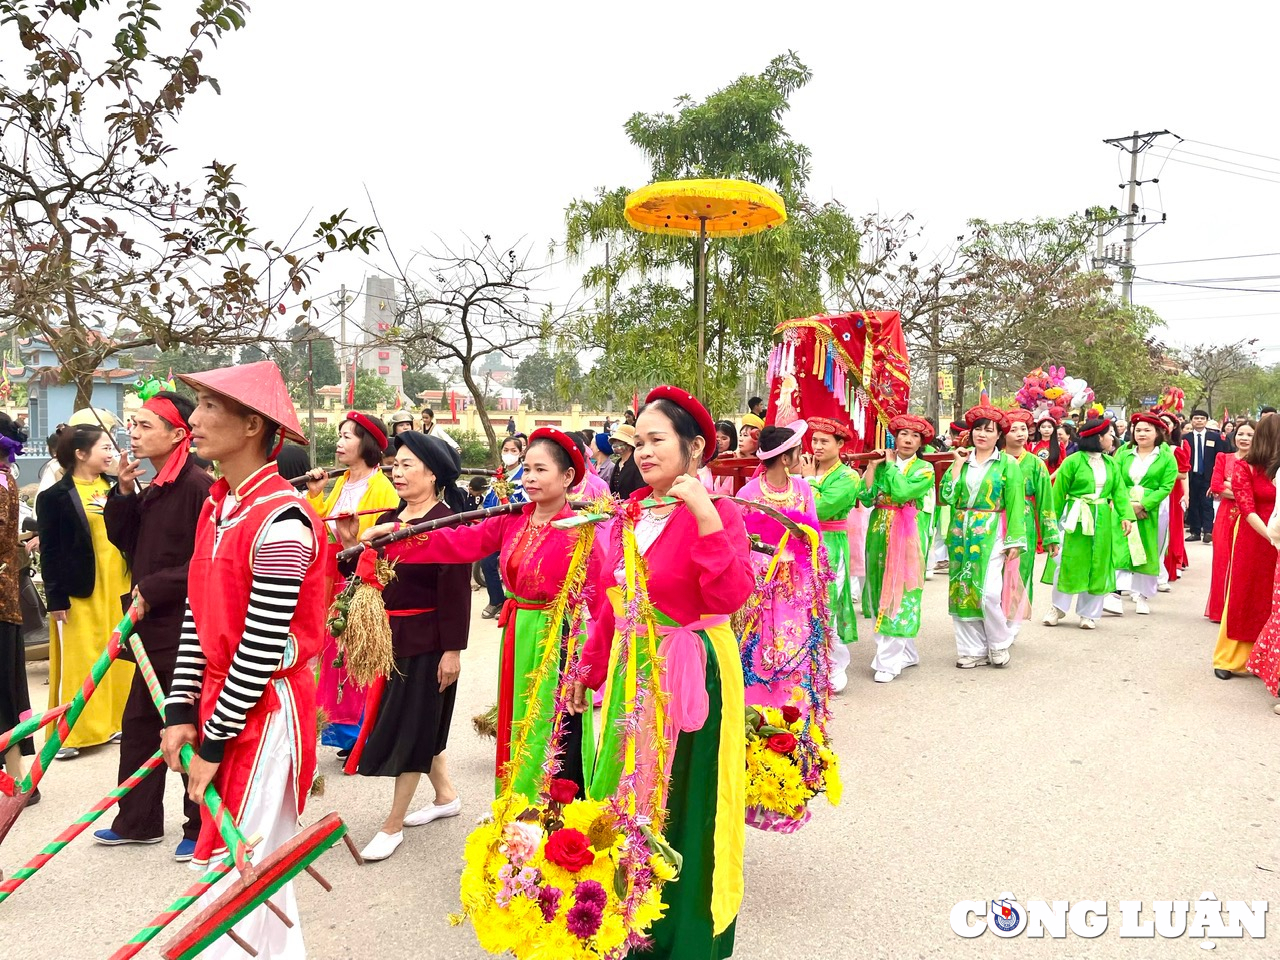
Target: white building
379 317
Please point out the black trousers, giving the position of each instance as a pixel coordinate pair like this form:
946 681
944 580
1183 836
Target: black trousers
141 814
1199 505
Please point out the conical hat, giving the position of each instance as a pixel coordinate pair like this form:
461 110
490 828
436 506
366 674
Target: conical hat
257 386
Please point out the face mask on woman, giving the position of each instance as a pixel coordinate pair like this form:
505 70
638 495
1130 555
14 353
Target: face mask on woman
510 459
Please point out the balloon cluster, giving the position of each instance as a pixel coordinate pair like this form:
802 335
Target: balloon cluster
1171 400
1050 390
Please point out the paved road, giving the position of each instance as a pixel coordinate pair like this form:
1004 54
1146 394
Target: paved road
1108 766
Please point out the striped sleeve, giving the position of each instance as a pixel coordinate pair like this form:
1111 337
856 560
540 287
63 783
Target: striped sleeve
287 550
188 675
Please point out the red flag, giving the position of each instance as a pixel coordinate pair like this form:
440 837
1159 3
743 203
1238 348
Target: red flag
453 405
635 403
351 387
1226 414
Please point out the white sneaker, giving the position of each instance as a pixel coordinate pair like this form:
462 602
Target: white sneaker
998 658
1163 587
1113 603
968 663
1087 624
1143 608
1053 617
382 845
839 680
420 818
884 676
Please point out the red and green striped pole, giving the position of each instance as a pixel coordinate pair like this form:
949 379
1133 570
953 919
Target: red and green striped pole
30 725
23 873
240 848
76 707
148 933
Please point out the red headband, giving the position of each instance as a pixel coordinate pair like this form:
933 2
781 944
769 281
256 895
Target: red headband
1150 418
1102 427
369 427
163 408
561 439
687 402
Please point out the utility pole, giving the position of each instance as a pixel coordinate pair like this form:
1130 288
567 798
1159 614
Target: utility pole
342 340
1131 217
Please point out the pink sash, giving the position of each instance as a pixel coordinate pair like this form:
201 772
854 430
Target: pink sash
903 559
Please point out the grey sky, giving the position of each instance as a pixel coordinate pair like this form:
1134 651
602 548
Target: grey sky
490 118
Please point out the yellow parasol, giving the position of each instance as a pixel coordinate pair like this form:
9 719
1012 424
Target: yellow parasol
703 208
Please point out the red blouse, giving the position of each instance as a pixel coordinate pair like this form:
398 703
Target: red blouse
689 575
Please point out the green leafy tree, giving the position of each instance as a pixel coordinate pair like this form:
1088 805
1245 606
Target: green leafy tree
1214 366
372 390
753 282
103 248
319 362
1247 393
1118 354
548 381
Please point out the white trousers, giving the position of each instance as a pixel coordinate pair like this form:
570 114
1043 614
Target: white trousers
1088 605
1145 584
894 654
1162 537
838 655
271 813
977 638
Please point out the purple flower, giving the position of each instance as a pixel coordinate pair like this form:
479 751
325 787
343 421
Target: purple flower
591 892
583 920
549 901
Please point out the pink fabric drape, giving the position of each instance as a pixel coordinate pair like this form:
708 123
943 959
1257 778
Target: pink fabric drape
903 561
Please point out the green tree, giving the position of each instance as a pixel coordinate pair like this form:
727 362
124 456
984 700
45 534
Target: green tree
417 381
753 282
548 381
104 247
372 390
1214 366
319 362
1251 390
1117 354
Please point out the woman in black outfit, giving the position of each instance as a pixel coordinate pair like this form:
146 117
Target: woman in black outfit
429 604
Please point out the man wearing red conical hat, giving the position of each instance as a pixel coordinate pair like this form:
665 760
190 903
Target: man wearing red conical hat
244 692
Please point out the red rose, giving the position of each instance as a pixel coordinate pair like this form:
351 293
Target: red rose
782 742
790 713
569 848
563 791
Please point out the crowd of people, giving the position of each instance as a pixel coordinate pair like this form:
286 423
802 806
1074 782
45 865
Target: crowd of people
235 578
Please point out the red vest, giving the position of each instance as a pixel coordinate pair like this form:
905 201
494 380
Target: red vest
219 584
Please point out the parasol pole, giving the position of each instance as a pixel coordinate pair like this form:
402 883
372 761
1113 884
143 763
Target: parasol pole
701 281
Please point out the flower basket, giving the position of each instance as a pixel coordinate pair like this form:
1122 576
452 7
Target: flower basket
557 877
789 762
577 880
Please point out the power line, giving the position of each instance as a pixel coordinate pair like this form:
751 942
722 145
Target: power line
1239 256
1201 286
1218 146
1205 166
1268 276
1233 163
